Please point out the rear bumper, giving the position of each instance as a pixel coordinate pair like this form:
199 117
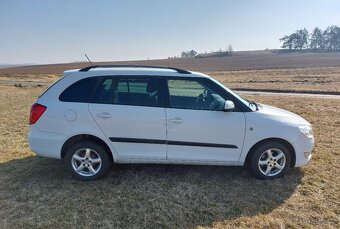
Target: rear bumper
45 144
303 150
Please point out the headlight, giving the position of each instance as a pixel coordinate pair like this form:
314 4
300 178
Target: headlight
306 130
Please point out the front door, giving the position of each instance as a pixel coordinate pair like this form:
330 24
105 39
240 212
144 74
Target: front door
197 128
129 112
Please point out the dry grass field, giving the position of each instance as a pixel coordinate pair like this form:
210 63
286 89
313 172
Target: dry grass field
37 192
29 77
307 72
251 60
317 79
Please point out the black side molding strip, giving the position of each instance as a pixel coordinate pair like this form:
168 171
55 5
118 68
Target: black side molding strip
138 140
180 143
215 145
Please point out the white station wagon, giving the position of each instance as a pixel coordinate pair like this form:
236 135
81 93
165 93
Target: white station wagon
101 115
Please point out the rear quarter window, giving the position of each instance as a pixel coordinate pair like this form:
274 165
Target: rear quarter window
80 91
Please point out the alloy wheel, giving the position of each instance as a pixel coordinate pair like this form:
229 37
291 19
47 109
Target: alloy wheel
272 162
86 162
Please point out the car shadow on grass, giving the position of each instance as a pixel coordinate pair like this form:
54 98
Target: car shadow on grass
39 192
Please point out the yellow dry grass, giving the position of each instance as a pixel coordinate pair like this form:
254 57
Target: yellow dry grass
37 192
29 77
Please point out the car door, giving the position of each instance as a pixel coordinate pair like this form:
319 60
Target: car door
129 112
197 128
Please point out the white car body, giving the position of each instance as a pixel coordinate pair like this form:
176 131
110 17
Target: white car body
162 134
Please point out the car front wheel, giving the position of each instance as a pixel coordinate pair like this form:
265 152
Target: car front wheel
88 161
270 160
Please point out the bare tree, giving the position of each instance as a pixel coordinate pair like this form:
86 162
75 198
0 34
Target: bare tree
230 49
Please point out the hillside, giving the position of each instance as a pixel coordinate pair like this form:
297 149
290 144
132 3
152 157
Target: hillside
250 60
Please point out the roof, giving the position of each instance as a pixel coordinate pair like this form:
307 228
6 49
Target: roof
134 70
86 69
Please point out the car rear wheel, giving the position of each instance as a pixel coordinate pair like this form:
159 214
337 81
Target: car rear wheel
88 161
270 160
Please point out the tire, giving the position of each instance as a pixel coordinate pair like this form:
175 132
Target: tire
88 161
269 160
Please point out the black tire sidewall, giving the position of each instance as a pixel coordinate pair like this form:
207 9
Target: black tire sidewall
255 156
106 162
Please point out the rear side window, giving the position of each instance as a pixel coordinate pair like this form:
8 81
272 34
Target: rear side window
79 91
104 92
137 92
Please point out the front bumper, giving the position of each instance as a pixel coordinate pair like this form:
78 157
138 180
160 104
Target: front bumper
303 150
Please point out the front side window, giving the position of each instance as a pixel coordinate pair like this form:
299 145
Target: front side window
191 94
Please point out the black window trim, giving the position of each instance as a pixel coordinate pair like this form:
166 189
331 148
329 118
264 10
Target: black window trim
240 107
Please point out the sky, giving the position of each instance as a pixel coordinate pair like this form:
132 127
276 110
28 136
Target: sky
59 31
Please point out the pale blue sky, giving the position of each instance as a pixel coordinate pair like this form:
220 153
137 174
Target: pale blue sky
38 31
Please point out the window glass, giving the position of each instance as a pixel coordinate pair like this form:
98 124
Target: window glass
137 91
123 85
107 84
124 91
104 92
242 100
138 86
190 94
79 91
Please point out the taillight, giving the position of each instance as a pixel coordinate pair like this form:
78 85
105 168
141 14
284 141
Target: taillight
36 111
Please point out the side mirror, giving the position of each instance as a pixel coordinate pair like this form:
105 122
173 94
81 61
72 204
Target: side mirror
228 106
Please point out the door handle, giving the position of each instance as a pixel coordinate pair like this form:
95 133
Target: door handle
176 120
104 115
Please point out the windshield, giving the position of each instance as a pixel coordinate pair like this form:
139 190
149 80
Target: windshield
252 105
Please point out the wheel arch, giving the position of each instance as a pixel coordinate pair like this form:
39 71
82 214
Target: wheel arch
282 141
85 137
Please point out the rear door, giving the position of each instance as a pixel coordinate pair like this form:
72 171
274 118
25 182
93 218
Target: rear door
130 113
197 128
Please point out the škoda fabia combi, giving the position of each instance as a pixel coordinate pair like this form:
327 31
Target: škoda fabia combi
97 116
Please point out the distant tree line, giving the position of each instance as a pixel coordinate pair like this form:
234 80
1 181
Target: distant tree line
191 53
326 40
220 52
